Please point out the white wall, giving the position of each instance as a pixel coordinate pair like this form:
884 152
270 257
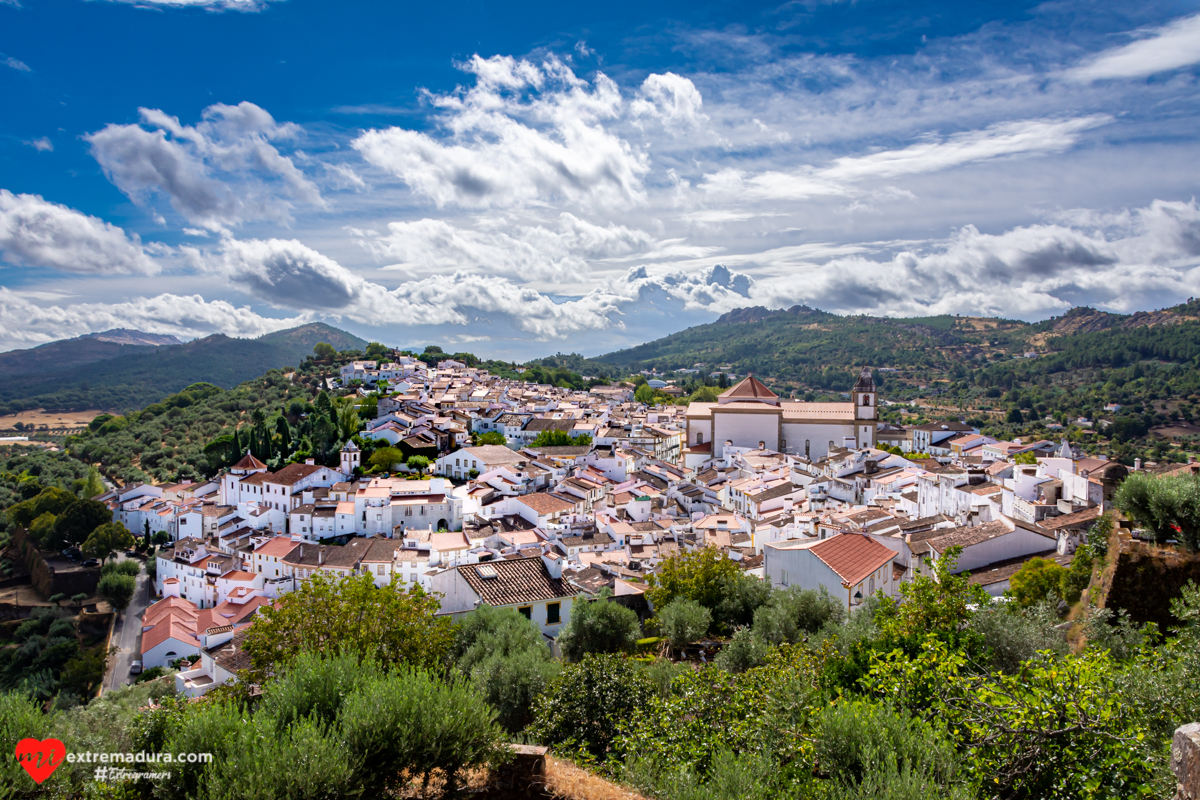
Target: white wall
1020 542
819 436
744 430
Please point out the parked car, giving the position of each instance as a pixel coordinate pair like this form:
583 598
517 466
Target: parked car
135 667
92 562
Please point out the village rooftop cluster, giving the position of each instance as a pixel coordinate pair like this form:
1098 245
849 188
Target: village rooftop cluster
801 494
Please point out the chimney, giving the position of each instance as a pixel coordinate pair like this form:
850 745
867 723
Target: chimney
320 556
310 462
1137 464
553 565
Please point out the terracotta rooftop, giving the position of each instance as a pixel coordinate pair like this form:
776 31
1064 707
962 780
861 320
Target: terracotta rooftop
1069 520
853 556
292 473
249 462
749 388
545 503
521 580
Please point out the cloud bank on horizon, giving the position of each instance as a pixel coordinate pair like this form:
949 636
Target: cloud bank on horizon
558 201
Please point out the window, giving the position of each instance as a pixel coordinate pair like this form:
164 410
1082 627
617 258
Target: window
526 612
552 613
784 578
699 438
866 400
379 570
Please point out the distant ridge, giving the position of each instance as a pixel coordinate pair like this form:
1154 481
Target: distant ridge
127 336
91 372
804 347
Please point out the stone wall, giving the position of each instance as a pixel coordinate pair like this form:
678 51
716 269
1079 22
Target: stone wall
45 579
1185 762
1147 578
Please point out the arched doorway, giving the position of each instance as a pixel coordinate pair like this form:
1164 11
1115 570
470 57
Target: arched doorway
442 526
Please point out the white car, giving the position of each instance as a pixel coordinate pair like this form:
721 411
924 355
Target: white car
135 667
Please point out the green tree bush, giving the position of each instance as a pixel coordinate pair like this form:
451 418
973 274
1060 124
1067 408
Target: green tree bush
349 615
582 709
598 626
503 654
683 621
1168 506
106 539
117 589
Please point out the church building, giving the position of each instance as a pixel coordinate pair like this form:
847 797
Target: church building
751 415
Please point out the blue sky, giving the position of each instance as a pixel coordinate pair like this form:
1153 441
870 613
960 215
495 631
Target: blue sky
580 177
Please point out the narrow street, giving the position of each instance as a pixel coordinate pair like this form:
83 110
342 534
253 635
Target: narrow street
127 636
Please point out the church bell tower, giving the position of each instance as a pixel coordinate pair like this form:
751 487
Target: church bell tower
866 411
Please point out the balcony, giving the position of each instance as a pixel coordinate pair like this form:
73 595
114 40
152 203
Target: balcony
194 682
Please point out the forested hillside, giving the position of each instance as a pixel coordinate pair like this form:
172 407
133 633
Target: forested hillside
812 349
134 377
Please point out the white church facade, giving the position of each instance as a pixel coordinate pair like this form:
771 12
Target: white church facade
751 415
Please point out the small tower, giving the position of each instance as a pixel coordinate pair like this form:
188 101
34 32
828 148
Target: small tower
351 458
865 410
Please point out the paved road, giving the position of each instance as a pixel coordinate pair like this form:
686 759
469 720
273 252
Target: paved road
127 636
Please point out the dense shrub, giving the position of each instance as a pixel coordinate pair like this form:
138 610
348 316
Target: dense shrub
598 626
683 621
504 655
582 707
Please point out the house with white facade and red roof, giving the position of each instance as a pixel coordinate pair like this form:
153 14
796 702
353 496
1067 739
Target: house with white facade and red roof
850 566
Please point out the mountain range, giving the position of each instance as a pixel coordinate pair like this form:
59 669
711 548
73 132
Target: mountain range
122 370
794 349
802 347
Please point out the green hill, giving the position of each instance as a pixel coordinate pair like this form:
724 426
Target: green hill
114 377
803 348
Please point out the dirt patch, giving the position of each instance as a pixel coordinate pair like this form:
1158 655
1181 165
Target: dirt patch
22 596
1175 430
52 420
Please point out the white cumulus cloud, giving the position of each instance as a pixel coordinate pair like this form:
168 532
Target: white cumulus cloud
24 323
1025 137
523 134
37 233
671 98
217 174
555 251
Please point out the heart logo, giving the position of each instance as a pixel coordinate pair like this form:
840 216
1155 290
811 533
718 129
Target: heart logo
40 758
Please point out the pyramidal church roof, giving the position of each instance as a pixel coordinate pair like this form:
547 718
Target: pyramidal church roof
751 389
248 462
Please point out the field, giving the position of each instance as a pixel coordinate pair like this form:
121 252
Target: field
57 420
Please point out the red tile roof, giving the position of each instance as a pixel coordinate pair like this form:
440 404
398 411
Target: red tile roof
853 556
750 387
521 580
292 473
249 462
279 547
